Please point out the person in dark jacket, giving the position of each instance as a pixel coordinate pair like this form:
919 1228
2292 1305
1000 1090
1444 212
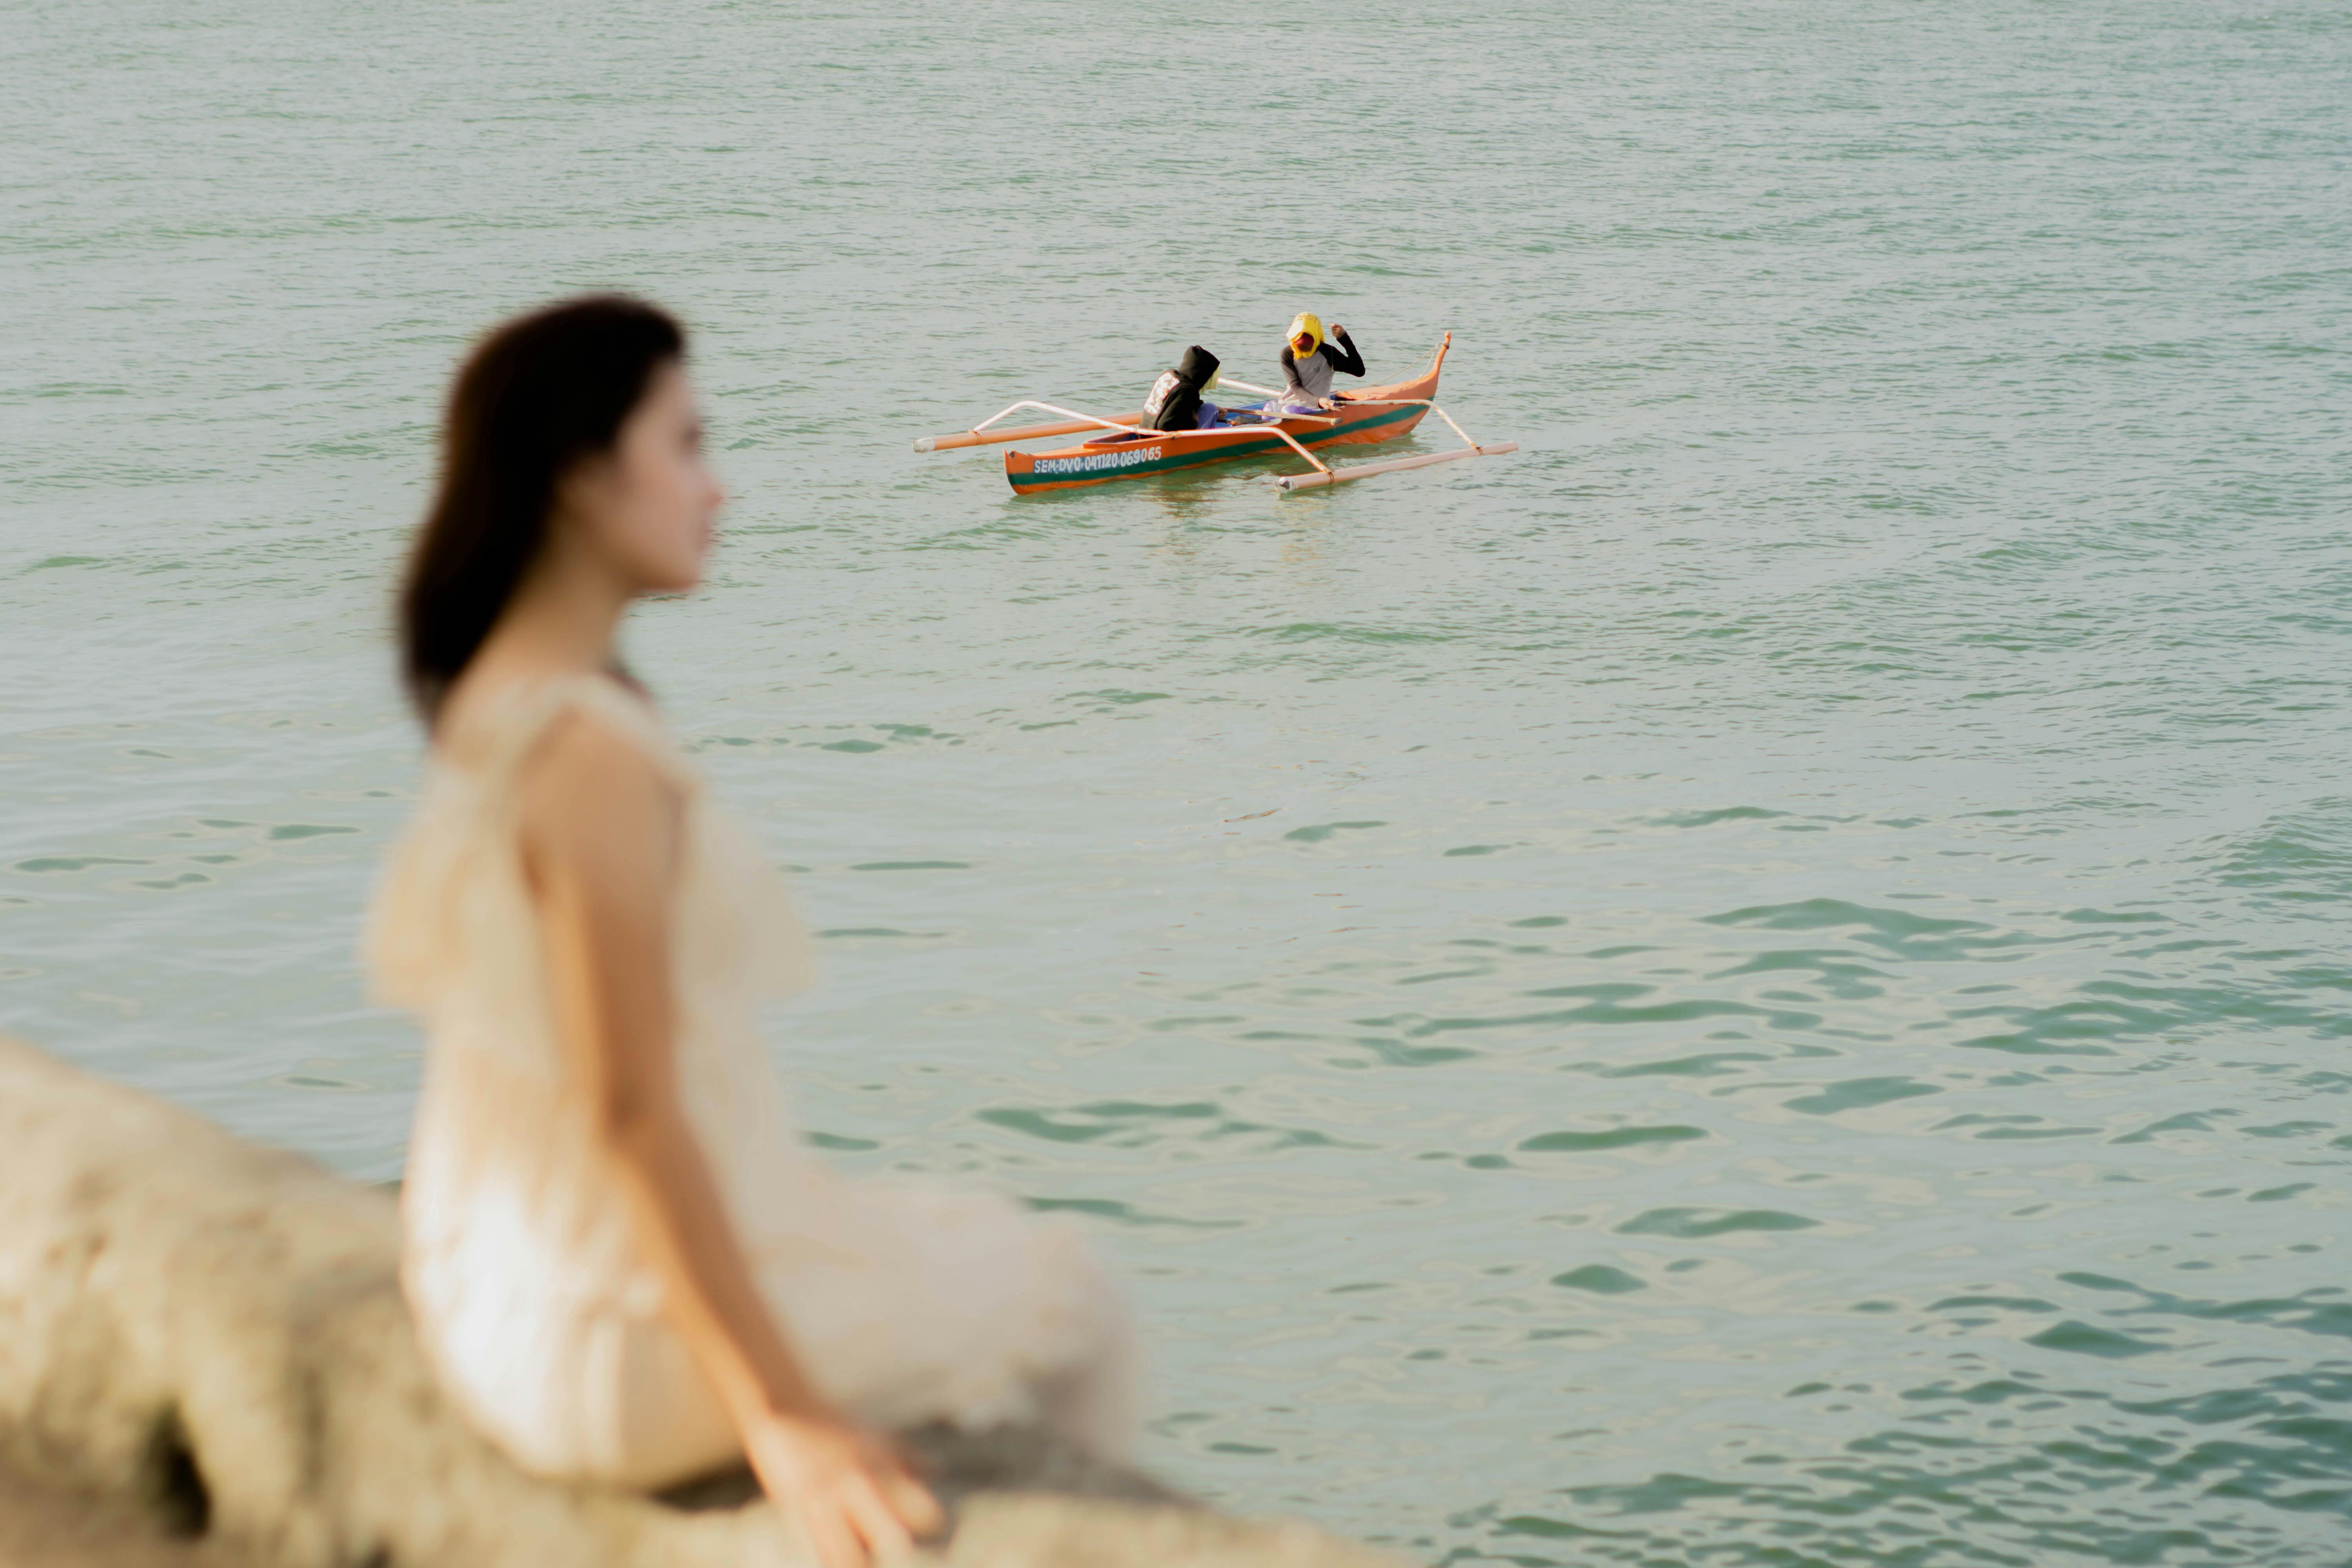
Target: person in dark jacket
1308 360
1175 403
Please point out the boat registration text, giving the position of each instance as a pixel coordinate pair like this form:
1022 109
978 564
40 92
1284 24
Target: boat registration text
1095 462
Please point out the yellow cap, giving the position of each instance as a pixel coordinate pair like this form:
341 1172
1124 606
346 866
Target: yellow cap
1306 325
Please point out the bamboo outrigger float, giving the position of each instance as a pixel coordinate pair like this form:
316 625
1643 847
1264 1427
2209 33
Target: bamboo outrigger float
1125 450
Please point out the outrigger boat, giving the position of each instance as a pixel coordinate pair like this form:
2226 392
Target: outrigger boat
1125 450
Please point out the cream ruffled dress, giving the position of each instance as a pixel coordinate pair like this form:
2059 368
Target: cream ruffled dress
906 1303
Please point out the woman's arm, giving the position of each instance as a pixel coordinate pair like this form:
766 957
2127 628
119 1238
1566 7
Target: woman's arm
601 843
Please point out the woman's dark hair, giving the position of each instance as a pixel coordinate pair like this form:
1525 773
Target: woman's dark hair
536 395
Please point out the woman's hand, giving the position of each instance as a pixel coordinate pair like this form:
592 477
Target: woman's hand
853 1494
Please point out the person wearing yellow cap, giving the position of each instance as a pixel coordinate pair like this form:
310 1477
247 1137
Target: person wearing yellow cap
1309 359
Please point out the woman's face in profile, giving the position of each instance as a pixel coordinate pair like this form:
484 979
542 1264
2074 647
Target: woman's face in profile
648 505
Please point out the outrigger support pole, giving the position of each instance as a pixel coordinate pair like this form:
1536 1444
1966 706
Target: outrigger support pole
975 437
978 436
1324 475
1245 386
1290 483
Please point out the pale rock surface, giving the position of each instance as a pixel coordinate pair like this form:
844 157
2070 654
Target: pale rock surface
212 1332
43 1528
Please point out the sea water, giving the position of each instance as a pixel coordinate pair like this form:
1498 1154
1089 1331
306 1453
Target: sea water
1763 981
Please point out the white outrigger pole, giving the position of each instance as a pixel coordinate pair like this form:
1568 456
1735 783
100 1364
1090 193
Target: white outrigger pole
1326 475
982 433
986 433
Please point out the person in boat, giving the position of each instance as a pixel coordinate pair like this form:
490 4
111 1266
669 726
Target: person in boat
1176 401
624 1263
1308 360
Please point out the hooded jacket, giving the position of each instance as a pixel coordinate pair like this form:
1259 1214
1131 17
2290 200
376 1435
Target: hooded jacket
1175 400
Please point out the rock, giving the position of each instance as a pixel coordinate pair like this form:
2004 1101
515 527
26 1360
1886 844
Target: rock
213 1332
40 1528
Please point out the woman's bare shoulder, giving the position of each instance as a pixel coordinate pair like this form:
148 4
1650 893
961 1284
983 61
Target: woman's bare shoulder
590 794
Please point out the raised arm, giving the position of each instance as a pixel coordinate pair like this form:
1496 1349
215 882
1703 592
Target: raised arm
1341 343
600 835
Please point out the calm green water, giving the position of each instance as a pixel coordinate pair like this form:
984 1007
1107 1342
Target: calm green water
1762 982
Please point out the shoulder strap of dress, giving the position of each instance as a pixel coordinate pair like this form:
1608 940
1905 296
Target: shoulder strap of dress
530 714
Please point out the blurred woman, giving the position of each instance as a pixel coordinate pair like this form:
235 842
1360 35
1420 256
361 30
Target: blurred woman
623 1262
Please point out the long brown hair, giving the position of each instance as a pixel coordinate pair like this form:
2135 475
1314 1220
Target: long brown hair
534 397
